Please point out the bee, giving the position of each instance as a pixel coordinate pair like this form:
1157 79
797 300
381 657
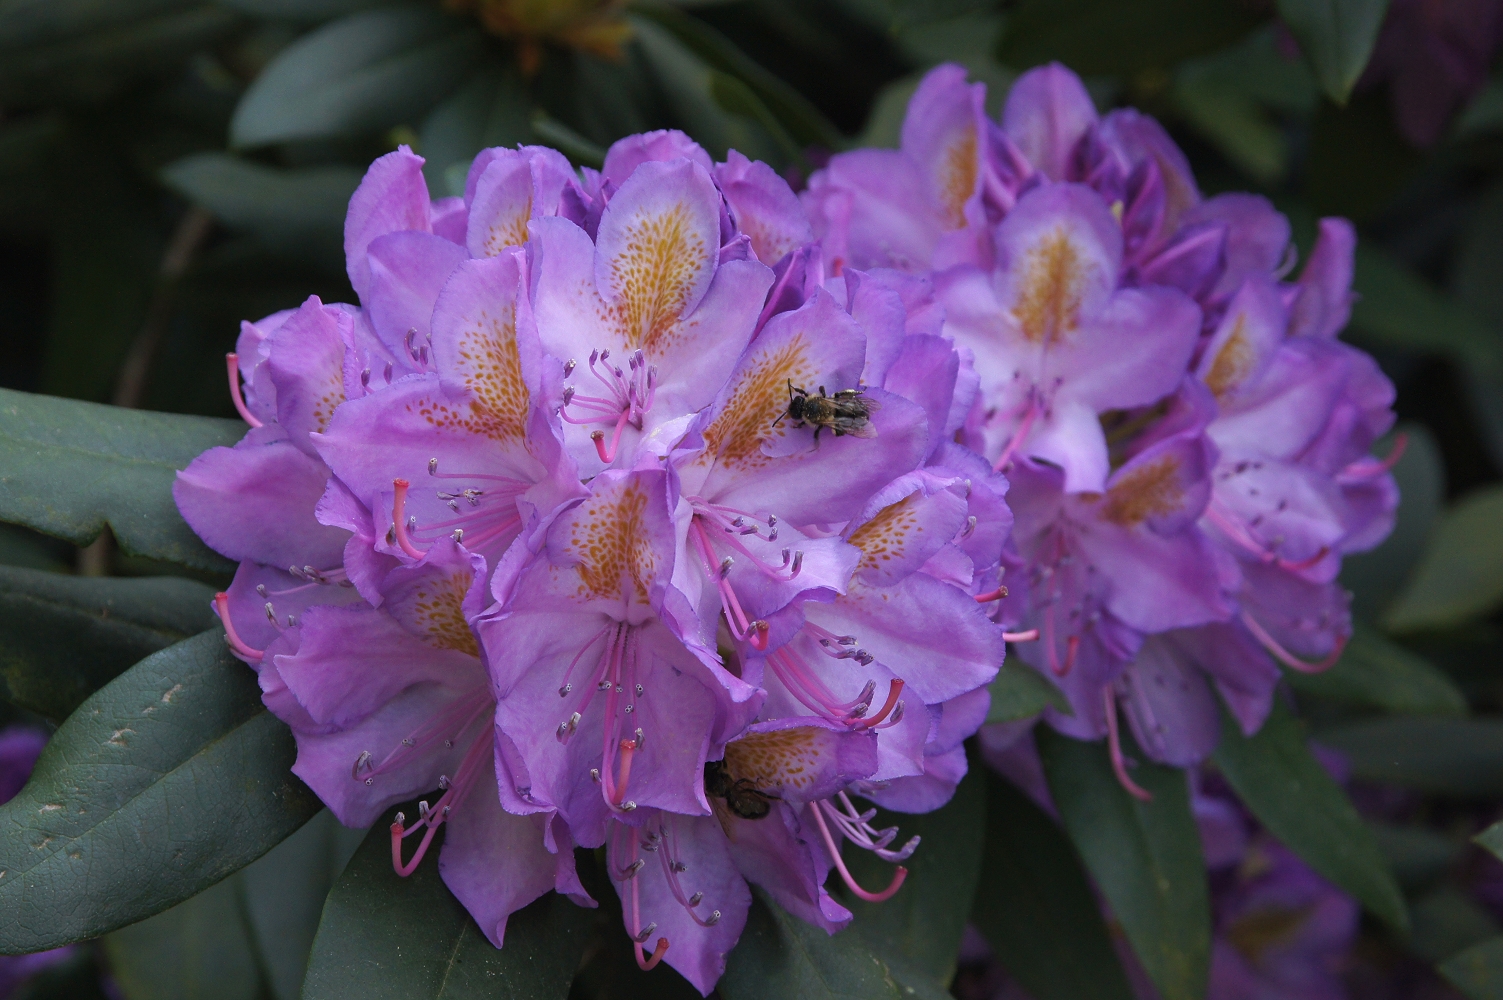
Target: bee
846 412
741 796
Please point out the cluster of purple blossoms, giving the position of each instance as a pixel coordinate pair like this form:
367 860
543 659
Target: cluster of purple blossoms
1187 443
661 509
615 517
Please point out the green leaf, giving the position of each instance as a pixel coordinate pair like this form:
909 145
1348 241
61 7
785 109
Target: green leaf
567 141
1275 776
924 922
247 938
782 956
1377 672
1484 113
1146 857
166 780
1460 576
70 468
1338 38
490 110
358 75
1478 971
200 948
383 936
296 212
1036 908
1417 855
299 10
1019 692
1108 36
737 98
26 23
1460 758
1398 308
64 637
790 109
1492 839
686 81
1448 920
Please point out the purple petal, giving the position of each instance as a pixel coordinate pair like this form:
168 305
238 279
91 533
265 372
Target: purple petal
306 361
764 207
944 133
1325 297
407 271
1047 113
626 155
393 197
1169 706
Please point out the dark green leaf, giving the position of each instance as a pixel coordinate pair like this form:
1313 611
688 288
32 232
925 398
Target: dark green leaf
1448 920
1397 307
1492 839
200 948
567 141
1478 971
737 98
1146 857
1484 113
1460 575
783 103
1036 908
490 110
1275 775
1020 692
1417 855
301 10
1462 758
166 780
686 82
924 922
383 936
25 23
1108 36
360 74
67 469
298 212
64 637
782 956
1337 36
1377 672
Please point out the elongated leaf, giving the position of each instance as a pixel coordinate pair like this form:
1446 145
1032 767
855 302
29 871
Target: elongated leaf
298 212
781 956
360 74
1019 692
924 922
1379 673
1337 36
1375 577
1478 971
788 108
1462 758
1397 307
1146 857
1460 576
1417 855
383 937
301 10
1276 777
166 780
1107 36
1447 921
25 23
1036 908
68 469
1492 839
64 637
490 110
200 948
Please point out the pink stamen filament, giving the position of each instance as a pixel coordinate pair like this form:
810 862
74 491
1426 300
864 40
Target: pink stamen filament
991 595
741 625
893 690
1114 744
1029 636
1237 532
1369 467
1029 416
598 437
899 876
469 769
399 518
1287 658
646 964
455 720
222 605
232 363
1072 647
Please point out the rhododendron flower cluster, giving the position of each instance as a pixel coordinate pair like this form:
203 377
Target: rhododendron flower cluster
1187 442
532 535
663 510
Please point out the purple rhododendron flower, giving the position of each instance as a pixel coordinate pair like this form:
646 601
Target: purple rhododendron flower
1187 443
535 526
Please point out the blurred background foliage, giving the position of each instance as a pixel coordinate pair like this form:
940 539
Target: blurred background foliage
171 167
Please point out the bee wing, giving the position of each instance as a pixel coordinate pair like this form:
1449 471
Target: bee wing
855 427
725 816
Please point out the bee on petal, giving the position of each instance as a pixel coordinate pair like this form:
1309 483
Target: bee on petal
846 412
